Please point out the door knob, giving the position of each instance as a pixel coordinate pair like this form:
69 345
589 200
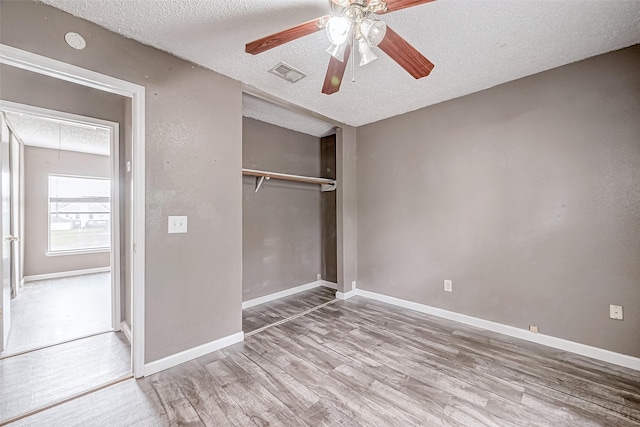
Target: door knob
12 239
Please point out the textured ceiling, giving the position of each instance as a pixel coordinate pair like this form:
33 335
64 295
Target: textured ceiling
474 44
59 135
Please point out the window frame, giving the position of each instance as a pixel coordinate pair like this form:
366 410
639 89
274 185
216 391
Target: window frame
103 249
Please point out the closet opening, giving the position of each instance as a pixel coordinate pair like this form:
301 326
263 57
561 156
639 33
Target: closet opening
289 247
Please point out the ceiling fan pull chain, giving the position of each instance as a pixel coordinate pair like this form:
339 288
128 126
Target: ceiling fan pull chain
353 60
353 69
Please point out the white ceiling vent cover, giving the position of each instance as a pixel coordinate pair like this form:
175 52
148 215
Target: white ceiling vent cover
287 72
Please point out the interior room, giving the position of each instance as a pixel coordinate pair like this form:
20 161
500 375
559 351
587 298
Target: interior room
339 212
69 248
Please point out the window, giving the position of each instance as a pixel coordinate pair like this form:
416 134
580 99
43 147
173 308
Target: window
79 214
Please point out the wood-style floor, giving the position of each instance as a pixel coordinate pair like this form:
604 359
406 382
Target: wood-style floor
51 311
272 312
39 378
364 363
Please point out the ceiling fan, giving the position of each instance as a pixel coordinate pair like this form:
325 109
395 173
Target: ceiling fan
354 24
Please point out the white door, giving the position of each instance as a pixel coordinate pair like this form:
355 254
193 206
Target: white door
5 229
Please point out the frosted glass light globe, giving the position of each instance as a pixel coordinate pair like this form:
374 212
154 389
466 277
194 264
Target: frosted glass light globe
373 31
338 29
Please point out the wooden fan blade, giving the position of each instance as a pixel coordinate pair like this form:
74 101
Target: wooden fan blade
393 5
277 39
405 55
335 71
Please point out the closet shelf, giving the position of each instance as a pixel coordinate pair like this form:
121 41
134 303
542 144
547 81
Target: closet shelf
325 184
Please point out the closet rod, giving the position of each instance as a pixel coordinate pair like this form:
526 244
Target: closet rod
327 184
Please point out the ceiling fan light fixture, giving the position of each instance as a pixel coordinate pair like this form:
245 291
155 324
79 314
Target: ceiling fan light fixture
373 31
337 29
354 23
366 54
337 51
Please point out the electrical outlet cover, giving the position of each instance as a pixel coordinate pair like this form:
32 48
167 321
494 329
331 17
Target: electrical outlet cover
615 312
448 285
177 224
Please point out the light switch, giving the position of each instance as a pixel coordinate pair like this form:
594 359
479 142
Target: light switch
177 224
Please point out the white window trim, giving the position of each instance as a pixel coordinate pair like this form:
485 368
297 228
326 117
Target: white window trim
79 252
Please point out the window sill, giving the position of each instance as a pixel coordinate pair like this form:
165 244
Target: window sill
79 252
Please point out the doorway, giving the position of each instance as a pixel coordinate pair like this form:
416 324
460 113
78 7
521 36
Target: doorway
135 94
83 374
62 320
65 280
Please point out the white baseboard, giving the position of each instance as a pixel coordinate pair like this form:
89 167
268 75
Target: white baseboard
60 274
549 341
286 293
346 295
126 330
328 284
192 353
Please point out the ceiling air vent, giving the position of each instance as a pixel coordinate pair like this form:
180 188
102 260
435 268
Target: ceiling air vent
287 72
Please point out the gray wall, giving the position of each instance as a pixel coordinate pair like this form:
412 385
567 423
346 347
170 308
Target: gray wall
193 160
39 163
281 224
526 195
29 88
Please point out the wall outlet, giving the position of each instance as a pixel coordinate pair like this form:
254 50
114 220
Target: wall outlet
319 276
533 328
448 285
177 224
353 285
615 312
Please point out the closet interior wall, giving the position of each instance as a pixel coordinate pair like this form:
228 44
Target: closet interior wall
282 224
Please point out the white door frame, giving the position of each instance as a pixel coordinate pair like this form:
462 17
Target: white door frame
114 170
50 67
5 234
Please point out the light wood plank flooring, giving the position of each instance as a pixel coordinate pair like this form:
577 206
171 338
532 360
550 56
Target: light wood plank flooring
51 311
272 312
364 363
33 380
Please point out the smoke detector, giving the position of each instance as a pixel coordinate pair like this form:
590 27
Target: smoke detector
287 72
75 40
